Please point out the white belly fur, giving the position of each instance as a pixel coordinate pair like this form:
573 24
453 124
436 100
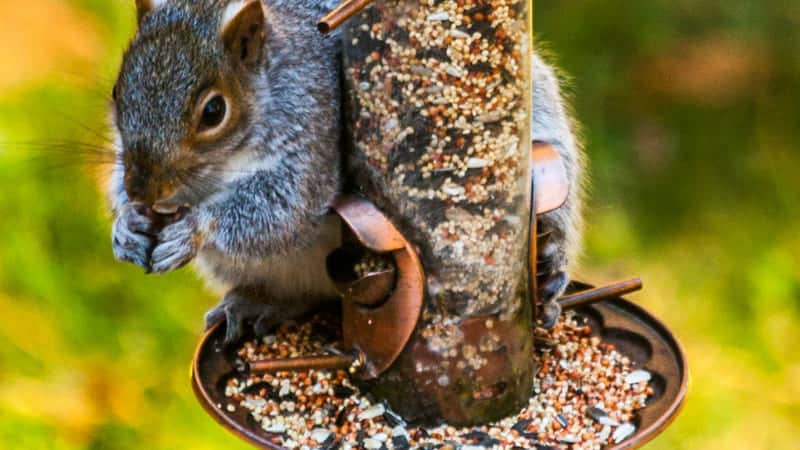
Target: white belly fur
297 275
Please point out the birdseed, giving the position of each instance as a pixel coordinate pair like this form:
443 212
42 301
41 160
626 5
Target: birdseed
582 399
371 263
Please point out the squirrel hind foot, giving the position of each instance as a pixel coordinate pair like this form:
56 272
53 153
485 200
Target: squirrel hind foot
237 311
549 290
245 309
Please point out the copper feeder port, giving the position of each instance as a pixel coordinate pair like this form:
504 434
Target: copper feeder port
341 14
379 310
369 290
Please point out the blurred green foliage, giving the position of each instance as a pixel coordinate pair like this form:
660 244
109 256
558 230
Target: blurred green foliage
689 111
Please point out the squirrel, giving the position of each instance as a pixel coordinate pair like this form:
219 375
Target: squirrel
229 137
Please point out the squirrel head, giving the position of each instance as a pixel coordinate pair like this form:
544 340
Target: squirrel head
182 102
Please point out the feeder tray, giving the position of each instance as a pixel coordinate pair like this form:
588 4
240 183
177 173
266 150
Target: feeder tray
635 333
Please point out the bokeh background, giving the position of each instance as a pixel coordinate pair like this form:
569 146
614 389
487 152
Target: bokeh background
690 111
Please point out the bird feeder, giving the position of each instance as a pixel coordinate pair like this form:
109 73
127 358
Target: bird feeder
445 190
380 319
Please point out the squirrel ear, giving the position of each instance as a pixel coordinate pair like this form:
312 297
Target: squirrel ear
144 7
244 27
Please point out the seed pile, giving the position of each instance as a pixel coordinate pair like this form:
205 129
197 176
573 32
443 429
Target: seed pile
440 93
371 263
585 396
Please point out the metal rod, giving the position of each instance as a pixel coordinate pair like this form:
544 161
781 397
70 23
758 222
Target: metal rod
331 362
338 16
578 299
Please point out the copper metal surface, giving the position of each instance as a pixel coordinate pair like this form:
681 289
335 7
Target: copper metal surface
331 362
550 182
369 225
484 389
370 290
381 332
338 16
533 233
633 331
618 289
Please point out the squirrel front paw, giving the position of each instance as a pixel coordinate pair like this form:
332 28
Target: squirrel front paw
177 244
237 309
130 236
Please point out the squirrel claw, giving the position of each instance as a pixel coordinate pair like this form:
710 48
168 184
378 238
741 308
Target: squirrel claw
233 323
551 272
236 310
177 245
549 291
129 239
550 313
214 316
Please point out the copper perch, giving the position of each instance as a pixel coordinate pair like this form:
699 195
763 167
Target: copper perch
338 16
329 362
578 299
372 289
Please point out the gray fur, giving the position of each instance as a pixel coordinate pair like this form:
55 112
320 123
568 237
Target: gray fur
561 229
258 224
244 217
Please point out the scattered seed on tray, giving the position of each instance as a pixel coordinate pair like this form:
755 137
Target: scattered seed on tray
585 397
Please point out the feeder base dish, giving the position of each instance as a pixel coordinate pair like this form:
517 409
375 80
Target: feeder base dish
632 331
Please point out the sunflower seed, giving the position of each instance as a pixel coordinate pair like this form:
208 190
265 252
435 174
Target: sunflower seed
372 412
477 163
320 435
401 442
438 16
393 419
454 71
622 433
372 444
604 434
381 437
458 34
601 417
453 190
638 376
277 428
399 431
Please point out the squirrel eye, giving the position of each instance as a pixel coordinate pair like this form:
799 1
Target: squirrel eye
213 113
